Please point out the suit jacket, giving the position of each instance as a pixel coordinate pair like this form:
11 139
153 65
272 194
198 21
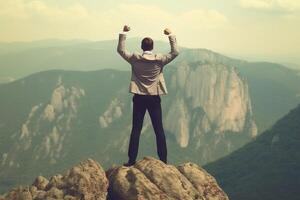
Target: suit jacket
147 68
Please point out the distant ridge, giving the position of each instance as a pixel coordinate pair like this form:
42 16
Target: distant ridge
268 167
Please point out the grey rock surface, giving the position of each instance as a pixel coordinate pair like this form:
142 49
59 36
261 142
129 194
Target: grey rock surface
148 179
152 179
86 180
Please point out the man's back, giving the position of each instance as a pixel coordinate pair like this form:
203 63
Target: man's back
147 83
147 77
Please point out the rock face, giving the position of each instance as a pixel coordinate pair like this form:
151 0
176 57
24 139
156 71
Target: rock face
209 110
148 179
151 179
47 127
86 180
214 96
206 115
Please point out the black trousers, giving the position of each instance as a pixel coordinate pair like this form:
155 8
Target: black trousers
141 103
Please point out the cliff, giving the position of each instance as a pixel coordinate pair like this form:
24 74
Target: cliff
57 118
148 179
213 96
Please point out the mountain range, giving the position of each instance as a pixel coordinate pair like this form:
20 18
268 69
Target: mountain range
266 168
20 59
56 118
61 115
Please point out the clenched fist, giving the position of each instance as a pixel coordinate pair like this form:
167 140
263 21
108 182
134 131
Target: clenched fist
167 31
126 28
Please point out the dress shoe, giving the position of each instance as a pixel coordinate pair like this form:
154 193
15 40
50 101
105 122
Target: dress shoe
129 163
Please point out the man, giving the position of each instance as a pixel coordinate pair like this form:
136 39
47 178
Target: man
147 84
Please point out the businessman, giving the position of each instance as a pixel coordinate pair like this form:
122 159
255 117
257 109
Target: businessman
147 84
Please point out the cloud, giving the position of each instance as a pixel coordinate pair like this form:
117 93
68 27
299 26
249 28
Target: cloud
203 18
13 9
147 18
43 20
272 5
21 9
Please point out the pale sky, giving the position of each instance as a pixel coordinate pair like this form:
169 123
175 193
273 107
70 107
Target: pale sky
259 29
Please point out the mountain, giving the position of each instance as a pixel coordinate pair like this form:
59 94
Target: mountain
208 98
148 179
21 59
273 87
56 116
12 47
267 168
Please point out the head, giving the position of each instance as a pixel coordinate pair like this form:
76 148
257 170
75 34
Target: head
147 44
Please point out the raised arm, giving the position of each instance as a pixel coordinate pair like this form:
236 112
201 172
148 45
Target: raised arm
174 49
121 45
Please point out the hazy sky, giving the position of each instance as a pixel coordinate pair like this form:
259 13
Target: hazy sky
260 29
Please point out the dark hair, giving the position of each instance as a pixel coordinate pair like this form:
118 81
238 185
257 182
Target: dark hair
147 44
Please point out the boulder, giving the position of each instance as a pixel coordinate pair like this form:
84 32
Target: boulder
87 181
152 179
40 183
148 179
204 183
19 193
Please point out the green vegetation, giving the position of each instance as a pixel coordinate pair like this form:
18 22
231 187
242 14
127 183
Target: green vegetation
267 168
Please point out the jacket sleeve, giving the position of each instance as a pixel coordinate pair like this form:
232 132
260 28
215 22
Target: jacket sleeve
122 49
166 58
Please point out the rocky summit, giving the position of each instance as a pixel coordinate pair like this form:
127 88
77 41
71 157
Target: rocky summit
151 179
148 179
87 180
